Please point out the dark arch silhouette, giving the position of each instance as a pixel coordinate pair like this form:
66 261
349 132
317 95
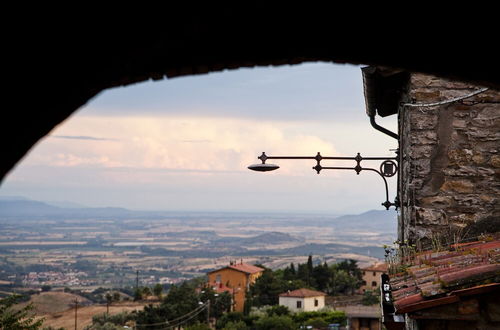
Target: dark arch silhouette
57 70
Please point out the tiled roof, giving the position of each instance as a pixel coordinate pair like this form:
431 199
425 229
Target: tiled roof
242 267
437 278
302 293
246 268
381 267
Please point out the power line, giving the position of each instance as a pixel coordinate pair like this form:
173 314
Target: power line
197 310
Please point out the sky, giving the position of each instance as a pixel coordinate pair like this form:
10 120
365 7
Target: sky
185 144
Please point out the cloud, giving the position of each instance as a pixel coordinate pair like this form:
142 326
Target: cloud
193 145
81 137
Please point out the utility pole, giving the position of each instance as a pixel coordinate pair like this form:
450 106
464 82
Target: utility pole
76 309
137 280
208 312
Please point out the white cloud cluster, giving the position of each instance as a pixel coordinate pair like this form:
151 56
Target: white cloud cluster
175 143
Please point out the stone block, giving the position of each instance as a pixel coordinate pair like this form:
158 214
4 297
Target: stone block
424 137
422 166
480 134
465 218
430 216
479 159
485 123
460 156
459 123
423 80
495 161
461 171
459 186
425 95
424 151
419 120
436 201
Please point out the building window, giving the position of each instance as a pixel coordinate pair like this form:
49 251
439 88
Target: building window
374 283
364 323
299 304
363 283
374 274
217 278
363 273
316 302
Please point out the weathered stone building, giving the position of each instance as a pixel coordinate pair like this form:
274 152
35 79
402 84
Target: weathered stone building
449 163
448 273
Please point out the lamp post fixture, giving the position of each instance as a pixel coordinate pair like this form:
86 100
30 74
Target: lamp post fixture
388 168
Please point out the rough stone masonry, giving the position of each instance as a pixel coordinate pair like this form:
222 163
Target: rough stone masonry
449 180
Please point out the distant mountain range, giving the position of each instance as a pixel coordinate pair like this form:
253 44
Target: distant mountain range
22 208
11 207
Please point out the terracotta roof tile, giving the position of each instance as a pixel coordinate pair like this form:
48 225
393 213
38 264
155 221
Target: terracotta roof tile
246 268
302 293
380 267
439 275
242 267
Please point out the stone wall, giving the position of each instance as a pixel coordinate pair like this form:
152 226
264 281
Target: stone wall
449 178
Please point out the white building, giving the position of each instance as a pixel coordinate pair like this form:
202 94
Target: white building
302 300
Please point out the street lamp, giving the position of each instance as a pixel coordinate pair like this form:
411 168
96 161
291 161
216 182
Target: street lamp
388 168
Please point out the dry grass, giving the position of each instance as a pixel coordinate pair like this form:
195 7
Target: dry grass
54 302
66 319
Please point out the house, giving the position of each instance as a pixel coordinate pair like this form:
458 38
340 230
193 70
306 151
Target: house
235 278
303 300
445 271
361 317
372 277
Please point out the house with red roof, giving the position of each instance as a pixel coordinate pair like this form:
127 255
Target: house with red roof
303 300
236 279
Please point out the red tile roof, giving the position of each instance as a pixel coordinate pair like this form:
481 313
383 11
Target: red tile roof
437 278
381 267
302 293
242 267
246 268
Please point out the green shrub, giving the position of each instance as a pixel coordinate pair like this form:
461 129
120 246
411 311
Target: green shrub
275 323
240 325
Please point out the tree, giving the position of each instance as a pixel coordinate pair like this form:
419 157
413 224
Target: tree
220 303
198 326
369 298
158 290
46 288
116 296
322 275
240 325
278 310
20 319
275 323
342 282
146 291
351 268
109 300
137 294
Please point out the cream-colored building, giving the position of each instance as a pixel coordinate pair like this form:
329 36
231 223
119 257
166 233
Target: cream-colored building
371 277
302 300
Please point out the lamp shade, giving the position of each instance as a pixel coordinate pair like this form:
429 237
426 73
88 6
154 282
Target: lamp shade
263 167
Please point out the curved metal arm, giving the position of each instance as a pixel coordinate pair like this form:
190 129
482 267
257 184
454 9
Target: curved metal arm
387 204
358 168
